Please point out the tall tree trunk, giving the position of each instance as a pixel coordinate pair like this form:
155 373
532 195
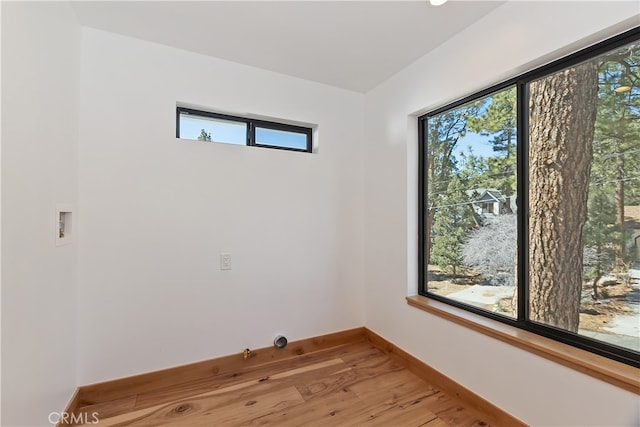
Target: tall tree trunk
507 187
562 119
620 209
428 227
431 212
595 294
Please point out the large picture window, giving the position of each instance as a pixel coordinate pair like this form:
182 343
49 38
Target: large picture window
530 200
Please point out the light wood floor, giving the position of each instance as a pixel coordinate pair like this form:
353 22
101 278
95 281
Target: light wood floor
350 385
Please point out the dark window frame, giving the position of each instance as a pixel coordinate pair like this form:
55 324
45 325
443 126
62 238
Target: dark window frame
252 124
521 82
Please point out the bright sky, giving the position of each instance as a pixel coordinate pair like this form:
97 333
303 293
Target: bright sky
221 131
479 144
230 132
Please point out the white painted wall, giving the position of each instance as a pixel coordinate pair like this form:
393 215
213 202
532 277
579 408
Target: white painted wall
156 212
153 213
512 39
40 71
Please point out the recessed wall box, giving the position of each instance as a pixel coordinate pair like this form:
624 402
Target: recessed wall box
64 224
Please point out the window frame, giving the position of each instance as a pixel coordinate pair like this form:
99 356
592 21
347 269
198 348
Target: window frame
252 124
521 82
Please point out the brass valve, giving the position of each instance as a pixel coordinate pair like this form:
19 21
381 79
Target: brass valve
246 353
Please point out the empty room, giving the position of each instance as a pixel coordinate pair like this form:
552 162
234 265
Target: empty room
347 213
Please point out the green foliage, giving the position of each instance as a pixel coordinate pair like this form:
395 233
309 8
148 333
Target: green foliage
476 171
204 135
617 130
450 178
443 131
615 170
600 234
498 121
453 221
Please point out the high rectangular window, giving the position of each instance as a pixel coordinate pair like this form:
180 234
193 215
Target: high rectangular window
207 128
223 128
281 137
530 200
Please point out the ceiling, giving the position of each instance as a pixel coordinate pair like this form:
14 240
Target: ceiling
354 45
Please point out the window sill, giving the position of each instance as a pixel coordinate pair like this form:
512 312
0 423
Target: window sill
611 371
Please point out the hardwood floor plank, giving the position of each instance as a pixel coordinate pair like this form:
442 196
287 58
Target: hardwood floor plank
454 412
350 385
437 422
325 410
414 412
235 392
365 366
108 409
204 411
458 415
129 386
391 387
391 396
251 373
317 388
441 402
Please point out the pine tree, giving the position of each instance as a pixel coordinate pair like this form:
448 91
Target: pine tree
498 121
452 223
443 132
204 135
616 165
600 234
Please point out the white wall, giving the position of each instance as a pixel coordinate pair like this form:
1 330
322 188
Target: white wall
153 213
40 71
156 212
512 39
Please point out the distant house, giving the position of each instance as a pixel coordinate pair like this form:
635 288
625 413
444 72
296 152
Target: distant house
488 202
632 226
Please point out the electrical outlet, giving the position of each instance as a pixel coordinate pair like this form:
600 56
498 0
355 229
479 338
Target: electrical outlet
225 261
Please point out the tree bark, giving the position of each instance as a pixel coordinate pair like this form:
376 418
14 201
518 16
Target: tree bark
595 294
620 209
562 119
428 227
431 211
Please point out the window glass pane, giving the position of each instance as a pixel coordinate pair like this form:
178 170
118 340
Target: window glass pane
211 129
281 138
584 198
470 219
